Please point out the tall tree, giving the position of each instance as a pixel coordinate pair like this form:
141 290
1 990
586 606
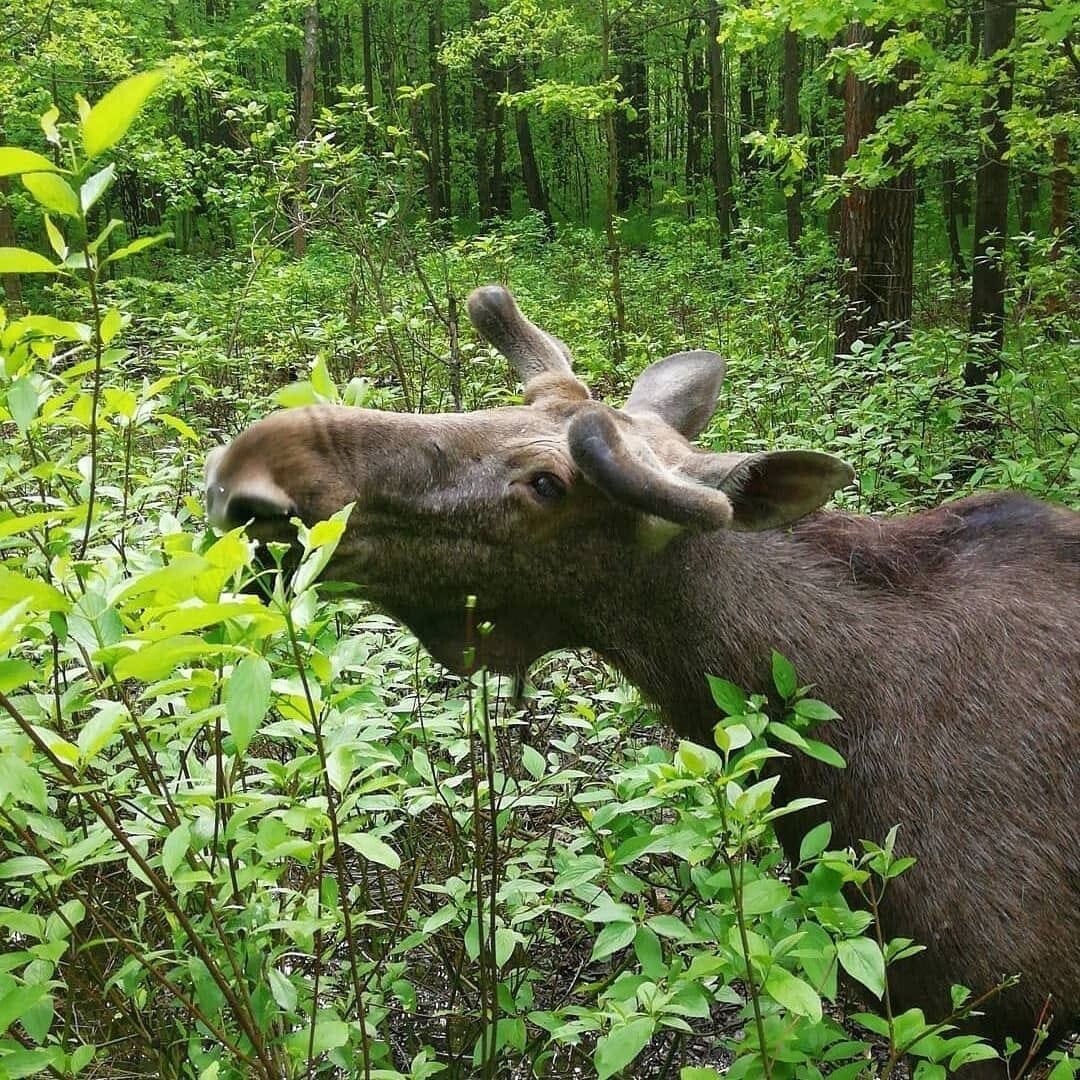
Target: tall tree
719 128
535 191
992 197
631 127
305 124
877 224
792 74
696 92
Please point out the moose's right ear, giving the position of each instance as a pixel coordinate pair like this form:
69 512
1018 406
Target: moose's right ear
681 389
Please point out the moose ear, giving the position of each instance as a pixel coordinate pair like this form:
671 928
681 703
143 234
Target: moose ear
681 389
773 488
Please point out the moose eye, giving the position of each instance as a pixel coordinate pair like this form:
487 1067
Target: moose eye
548 486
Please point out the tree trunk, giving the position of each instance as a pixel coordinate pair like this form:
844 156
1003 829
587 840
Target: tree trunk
1060 178
877 225
366 49
614 242
305 125
438 195
718 127
992 198
696 91
791 128
631 132
481 125
530 170
11 282
949 209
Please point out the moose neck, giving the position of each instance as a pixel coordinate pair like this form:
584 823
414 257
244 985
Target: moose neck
717 604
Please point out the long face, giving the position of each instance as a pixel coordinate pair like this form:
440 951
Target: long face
529 509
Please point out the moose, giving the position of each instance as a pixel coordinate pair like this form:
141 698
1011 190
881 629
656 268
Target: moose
948 640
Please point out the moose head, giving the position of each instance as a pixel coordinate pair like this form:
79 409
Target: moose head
532 509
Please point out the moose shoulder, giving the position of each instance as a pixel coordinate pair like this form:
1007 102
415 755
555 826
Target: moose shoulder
947 640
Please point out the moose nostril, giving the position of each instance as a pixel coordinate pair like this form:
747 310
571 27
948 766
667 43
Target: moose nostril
245 508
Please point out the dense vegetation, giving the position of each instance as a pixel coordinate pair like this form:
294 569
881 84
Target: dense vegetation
256 831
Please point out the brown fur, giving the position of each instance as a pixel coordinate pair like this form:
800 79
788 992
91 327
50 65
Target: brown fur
947 639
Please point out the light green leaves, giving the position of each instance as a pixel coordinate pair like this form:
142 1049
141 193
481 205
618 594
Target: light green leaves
95 187
15 260
52 192
792 992
15 160
862 960
108 121
621 1045
247 699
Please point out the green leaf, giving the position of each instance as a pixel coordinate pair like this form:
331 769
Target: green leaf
22 866
22 401
247 700
373 849
612 938
161 658
728 697
15 160
649 952
18 1000
13 674
975 1052
101 728
108 121
175 848
793 993
815 841
111 324
282 989
141 244
861 958
533 761
20 261
56 238
818 711
52 192
96 186
21 782
764 895
823 752
783 673
621 1045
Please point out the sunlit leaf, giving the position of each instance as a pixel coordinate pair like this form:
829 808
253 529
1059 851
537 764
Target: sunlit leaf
108 121
15 160
52 192
15 260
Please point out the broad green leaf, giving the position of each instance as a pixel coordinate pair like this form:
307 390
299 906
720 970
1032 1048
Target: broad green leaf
175 849
48 124
17 1001
101 729
506 941
108 121
52 192
141 244
22 400
812 709
22 866
15 260
823 752
792 992
11 622
649 952
621 1045
975 1052
111 324
764 895
728 697
282 989
15 160
161 658
51 327
861 958
815 841
96 186
783 673
612 938
373 849
13 674
247 700
21 782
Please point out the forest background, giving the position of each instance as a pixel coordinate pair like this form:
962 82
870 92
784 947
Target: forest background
270 838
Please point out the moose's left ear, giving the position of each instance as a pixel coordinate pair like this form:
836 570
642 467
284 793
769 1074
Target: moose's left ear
681 389
772 488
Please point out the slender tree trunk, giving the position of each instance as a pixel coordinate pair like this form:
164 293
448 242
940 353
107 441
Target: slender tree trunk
836 104
305 122
438 196
1060 178
791 127
718 126
11 282
614 242
1027 199
366 51
500 190
631 132
949 209
877 225
696 91
530 170
992 198
482 125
